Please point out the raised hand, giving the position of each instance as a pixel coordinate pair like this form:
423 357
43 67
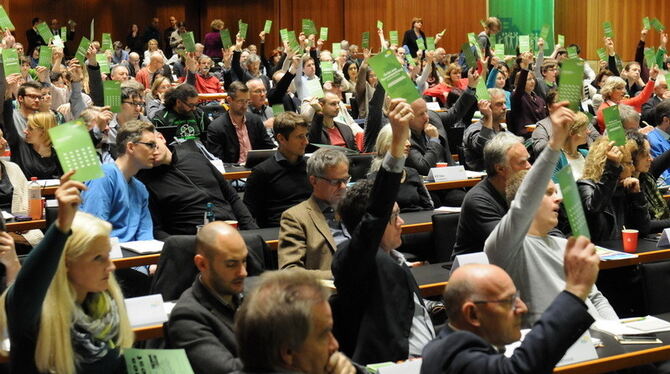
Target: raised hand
614 153
400 113
581 266
69 199
561 119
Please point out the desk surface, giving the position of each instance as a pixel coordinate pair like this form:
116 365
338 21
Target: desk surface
647 251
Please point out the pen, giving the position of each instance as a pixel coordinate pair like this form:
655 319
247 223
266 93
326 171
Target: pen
634 320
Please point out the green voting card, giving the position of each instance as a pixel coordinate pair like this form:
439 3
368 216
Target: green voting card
277 108
410 59
472 39
323 33
470 59
613 124
75 150
225 38
393 35
327 71
365 42
103 62
430 43
283 34
63 33
544 33
572 202
570 88
608 29
10 60
380 25
650 57
106 42
337 50
660 56
393 77
481 91
602 54
420 43
524 43
314 88
656 24
5 22
242 29
156 361
58 42
500 51
308 27
572 52
561 40
646 24
268 26
293 41
112 95
45 56
45 32
82 50
189 41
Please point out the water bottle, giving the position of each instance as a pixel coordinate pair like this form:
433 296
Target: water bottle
209 213
34 199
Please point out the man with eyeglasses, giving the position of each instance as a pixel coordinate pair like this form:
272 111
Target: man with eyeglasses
231 136
119 197
310 232
28 97
378 310
181 111
485 309
198 74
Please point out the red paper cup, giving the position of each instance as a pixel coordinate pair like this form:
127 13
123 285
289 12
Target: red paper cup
629 240
441 165
235 224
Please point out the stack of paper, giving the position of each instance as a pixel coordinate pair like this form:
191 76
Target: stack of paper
631 326
144 246
609 255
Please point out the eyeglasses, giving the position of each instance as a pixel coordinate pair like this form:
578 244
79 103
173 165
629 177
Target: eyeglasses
34 97
151 145
513 301
190 105
336 182
135 103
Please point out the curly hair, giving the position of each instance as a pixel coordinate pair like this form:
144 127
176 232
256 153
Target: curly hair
610 84
594 165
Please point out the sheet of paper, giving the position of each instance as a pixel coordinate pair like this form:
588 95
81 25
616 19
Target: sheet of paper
189 41
602 54
146 311
657 24
58 42
608 29
571 83
323 33
337 49
144 246
407 367
393 36
156 361
242 29
572 202
481 91
447 209
365 40
610 254
106 42
524 43
615 130
45 32
103 62
45 56
81 50
112 95
268 26
646 24
5 22
626 326
327 71
393 77
314 88
446 174
225 38
75 150
10 60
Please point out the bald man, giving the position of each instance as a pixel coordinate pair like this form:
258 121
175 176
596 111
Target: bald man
203 319
485 309
147 73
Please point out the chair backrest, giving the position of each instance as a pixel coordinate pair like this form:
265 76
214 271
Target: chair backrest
176 270
359 165
656 282
444 236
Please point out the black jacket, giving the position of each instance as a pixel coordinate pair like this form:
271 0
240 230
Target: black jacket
608 208
179 193
318 134
222 139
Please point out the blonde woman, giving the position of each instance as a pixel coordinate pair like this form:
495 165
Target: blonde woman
571 154
65 312
450 81
612 198
152 46
154 101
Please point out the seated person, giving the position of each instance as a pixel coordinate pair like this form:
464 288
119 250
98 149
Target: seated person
280 182
289 312
119 197
379 313
34 154
521 244
231 136
327 127
181 110
484 309
413 195
202 321
198 74
570 153
68 274
612 197
659 137
478 134
310 232
180 185
484 205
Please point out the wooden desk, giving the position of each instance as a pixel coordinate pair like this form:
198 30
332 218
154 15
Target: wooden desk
436 186
26 225
647 251
212 96
231 175
49 191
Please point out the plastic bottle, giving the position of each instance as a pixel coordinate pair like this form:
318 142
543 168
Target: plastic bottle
34 199
209 213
